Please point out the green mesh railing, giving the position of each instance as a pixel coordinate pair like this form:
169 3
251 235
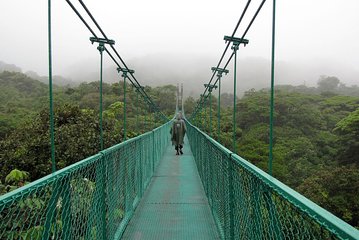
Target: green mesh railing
247 203
92 199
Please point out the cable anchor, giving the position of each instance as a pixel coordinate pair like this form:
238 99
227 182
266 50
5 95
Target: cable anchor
219 71
210 87
125 71
101 42
235 41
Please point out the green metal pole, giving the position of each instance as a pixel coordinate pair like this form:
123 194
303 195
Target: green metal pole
154 119
210 114
272 94
219 111
137 110
52 134
205 115
146 119
234 98
119 94
124 107
101 48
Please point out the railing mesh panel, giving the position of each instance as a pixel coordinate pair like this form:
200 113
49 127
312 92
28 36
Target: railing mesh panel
247 203
92 199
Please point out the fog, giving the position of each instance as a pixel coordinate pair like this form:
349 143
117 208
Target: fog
169 42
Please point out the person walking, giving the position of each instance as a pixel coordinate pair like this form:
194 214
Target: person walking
178 132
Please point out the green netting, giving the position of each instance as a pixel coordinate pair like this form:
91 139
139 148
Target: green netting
247 203
92 199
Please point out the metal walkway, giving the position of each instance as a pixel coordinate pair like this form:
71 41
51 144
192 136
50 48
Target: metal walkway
174 205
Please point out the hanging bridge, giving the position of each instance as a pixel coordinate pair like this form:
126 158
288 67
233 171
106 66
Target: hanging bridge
139 189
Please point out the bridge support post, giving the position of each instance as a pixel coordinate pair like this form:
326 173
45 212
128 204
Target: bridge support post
66 211
231 198
124 109
137 112
153 152
124 75
138 88
101 48
236 42
102 185
219 111
210 88
51 101
235 48
219 71
51 211
205 115
272 95
140 172
204 109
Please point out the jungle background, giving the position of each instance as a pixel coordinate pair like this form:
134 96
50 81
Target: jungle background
316 133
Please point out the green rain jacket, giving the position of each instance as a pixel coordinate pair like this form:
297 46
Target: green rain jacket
178 132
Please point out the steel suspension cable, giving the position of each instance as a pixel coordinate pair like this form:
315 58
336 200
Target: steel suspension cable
142 92
245 33
227 46
114 49
243 36
82 19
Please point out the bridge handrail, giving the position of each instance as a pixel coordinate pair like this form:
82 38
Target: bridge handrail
93 198
317 221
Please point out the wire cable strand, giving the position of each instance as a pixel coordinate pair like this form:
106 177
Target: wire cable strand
231 56
225 50
136 83
114 49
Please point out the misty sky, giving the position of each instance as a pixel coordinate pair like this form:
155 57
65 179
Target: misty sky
181 40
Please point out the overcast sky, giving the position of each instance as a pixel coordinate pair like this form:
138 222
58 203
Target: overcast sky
311 34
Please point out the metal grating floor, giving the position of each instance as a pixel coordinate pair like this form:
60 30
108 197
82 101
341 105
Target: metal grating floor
174 206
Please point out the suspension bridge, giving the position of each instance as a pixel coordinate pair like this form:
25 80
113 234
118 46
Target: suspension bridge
139 189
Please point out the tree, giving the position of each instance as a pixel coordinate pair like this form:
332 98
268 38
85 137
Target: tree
189 105
165 98
328 84
76 137
337 190
348 129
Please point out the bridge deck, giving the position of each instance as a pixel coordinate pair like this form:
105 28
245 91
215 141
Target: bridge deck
174 206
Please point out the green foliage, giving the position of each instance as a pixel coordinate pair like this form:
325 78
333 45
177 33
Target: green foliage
327 84
20 97
189 104
336 189
17 177
76 137
314 132
348 129
350 124
165 98
316 136
24 118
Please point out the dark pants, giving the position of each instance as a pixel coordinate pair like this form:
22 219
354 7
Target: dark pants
178 146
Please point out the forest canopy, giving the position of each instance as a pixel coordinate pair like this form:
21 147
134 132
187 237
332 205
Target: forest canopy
316 139
316 132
